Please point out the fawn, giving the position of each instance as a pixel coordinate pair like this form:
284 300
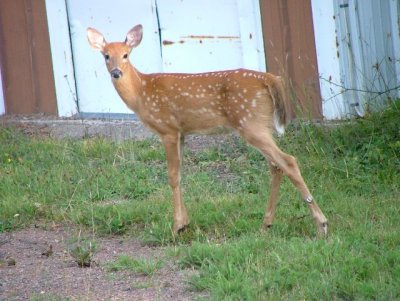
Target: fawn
176 104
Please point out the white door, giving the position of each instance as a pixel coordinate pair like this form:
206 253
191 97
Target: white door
179 36
113 19
210 35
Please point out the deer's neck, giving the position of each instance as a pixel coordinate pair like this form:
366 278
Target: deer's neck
129 87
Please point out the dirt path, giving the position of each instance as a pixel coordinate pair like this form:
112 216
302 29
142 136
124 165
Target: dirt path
27 273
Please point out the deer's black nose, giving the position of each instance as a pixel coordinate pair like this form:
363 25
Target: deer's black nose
116 73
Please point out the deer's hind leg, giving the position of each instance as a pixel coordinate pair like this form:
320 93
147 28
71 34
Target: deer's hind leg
263 141
276 179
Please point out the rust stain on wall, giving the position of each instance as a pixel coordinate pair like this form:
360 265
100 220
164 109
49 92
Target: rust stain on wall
210 37
200 38
167 43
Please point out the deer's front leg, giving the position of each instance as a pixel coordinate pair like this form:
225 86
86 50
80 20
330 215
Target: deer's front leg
173 147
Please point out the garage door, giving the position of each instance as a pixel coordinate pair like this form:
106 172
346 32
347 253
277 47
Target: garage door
179 36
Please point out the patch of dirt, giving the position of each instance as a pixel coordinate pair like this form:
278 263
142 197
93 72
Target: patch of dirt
27 270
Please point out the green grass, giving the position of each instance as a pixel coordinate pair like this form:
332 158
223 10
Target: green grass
353 171
147 267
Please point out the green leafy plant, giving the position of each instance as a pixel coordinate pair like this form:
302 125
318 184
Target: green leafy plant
82 250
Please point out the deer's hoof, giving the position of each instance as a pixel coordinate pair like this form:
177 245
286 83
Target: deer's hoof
323 230
266 227
180 228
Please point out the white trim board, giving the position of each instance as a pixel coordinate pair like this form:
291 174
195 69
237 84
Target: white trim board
63 69
2 99
327 58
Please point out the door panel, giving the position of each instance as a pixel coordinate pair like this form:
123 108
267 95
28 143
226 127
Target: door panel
197 37
179 36
113 19
209 35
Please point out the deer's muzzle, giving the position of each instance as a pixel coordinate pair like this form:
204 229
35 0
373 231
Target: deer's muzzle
116 73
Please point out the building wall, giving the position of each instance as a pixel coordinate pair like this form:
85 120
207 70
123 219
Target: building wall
291 30
358 51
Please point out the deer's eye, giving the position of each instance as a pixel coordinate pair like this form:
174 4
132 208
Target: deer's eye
107 57
125 56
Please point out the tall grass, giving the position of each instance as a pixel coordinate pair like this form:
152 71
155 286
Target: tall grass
353 171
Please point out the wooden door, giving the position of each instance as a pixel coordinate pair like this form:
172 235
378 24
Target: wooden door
27 71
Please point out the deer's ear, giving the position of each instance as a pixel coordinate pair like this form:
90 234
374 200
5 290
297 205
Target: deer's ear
134 36
96 39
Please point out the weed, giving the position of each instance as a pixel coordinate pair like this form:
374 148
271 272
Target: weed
82 250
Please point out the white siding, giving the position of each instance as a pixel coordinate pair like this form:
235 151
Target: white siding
358 54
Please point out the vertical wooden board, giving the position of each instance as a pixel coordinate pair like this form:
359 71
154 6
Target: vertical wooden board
26 63
42 67
304 60
94 88
63 69
290 50
18 90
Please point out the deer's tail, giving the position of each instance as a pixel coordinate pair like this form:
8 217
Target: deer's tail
281 111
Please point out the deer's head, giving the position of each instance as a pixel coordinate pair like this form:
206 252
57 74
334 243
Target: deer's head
116 54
